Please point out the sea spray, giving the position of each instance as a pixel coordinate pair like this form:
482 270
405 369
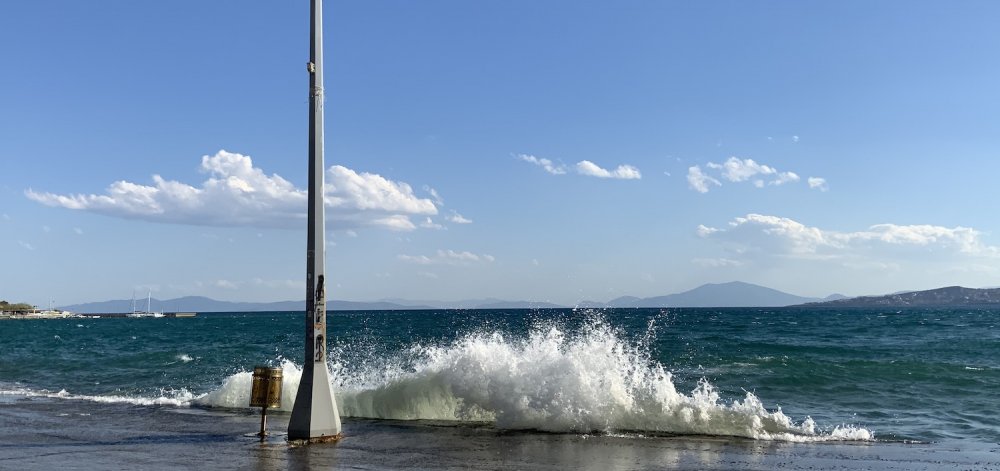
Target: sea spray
235 390
591 381
556 376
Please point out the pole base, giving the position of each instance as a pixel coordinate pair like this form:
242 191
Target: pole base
315 440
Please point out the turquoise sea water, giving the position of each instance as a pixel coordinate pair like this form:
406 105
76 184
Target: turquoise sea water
768 374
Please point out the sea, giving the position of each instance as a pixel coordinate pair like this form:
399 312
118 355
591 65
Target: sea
899 379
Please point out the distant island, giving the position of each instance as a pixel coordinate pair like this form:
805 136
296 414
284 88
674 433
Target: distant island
732 294
951 296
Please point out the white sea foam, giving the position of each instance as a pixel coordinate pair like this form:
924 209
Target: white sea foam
235 390
590 382
184 357
180 398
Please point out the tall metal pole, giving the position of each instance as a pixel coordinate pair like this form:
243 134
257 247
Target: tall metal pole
314 415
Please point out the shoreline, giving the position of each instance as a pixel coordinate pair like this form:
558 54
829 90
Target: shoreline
47 433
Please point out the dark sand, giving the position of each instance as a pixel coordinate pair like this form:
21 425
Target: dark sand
45 434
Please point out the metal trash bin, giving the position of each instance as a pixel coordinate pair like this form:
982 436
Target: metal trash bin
266 388
265 392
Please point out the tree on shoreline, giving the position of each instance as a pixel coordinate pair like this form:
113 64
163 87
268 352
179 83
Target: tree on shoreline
5 306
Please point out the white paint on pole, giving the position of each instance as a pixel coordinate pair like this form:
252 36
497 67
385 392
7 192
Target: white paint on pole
314 415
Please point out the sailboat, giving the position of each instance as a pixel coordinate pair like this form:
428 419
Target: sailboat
148 312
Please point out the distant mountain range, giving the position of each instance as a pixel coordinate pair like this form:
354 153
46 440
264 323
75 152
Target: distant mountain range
950 296
733 294
203 304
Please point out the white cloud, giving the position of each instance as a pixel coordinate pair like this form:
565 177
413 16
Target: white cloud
77 231
25 245
284 284
738 170
430 224
418 259
795 138
6 217
458 218
785 177
225 284
448 257
698 181
427 274
46 229
778 236
716 262
546 164
818 183
238 194
584 167
434 195
622 172
704 231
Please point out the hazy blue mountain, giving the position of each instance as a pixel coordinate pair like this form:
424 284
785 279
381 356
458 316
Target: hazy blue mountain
950 296
203 304
732 294
520 305
625 301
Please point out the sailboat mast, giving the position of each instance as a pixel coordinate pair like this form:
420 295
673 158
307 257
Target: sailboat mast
314 415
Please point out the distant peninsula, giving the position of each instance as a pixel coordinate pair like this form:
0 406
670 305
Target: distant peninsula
951 296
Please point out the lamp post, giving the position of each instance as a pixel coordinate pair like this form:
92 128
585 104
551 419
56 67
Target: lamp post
314 416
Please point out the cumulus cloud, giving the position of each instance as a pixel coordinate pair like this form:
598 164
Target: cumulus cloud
698 181
738 170
546 164
778 236
448 257
236 193
584 167
818 183
622 172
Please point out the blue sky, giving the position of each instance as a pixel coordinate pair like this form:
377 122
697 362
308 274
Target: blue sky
551 151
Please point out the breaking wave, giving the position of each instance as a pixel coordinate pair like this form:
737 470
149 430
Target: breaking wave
590 381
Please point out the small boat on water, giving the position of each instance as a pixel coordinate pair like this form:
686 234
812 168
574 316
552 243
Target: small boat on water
148 312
